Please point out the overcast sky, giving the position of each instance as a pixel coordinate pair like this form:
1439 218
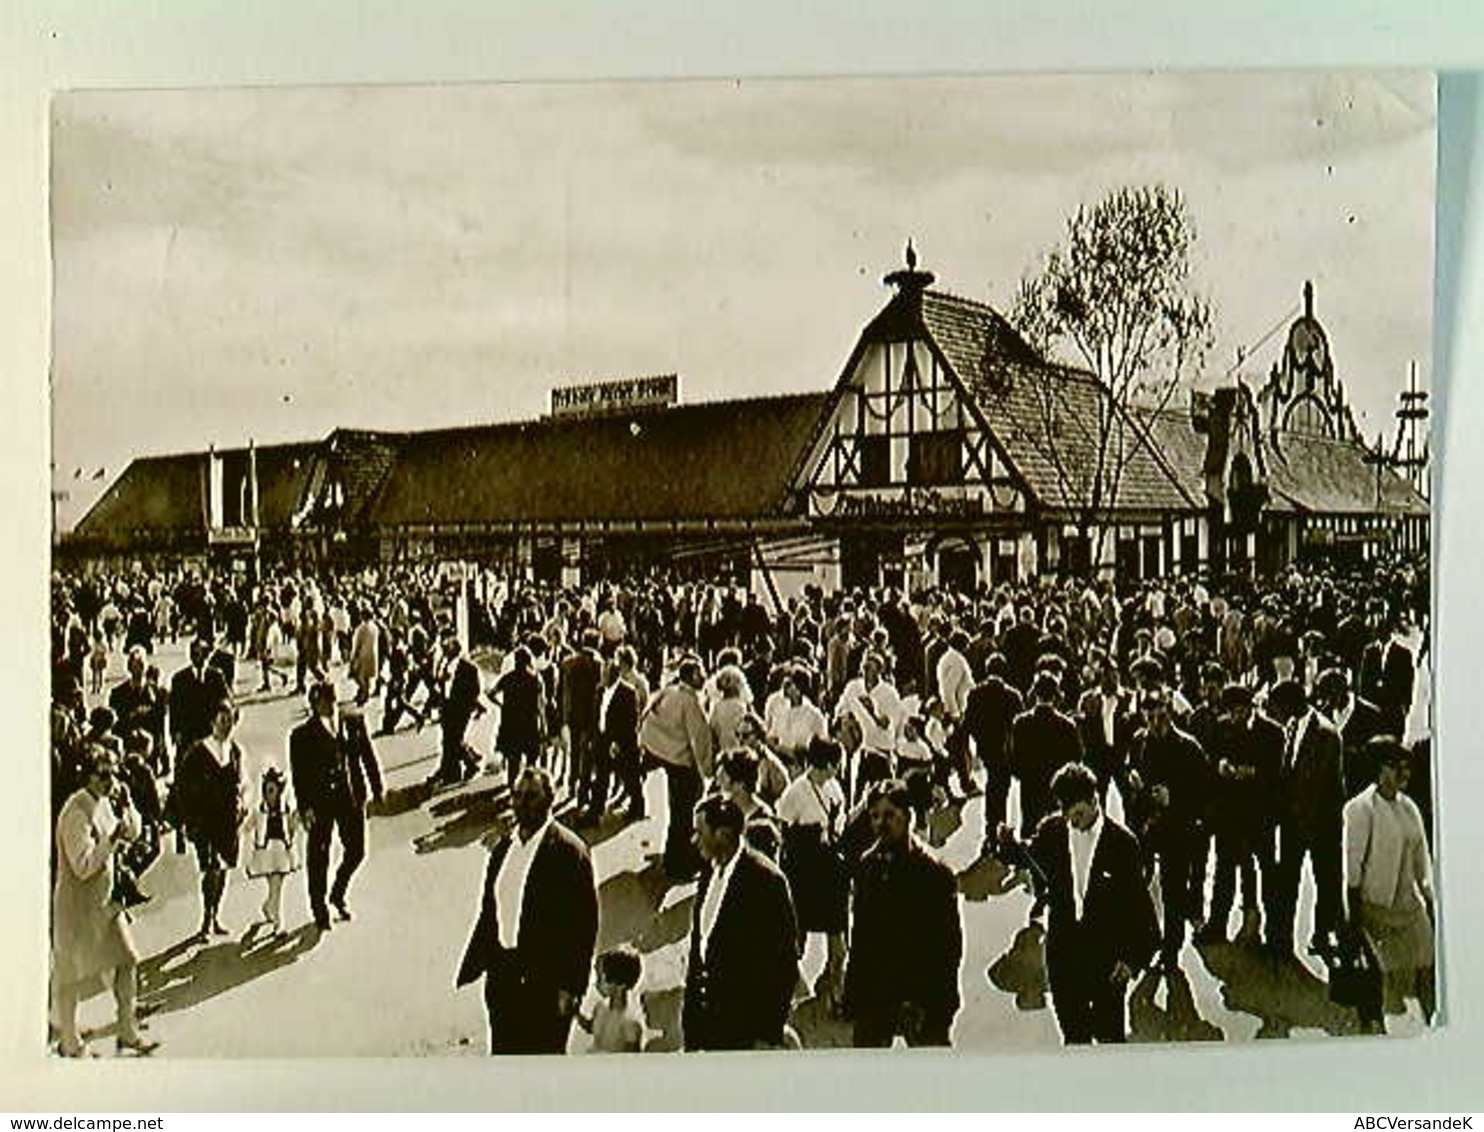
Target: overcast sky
276 263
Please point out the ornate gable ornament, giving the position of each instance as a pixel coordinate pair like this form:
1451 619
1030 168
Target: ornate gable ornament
1302 395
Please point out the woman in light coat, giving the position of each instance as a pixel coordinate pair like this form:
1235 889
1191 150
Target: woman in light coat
1389 884
90 929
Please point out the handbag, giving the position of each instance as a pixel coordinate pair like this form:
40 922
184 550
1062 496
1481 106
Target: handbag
1355 977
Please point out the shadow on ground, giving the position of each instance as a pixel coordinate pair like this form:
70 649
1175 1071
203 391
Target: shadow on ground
987 877
1021 970
631 911
1178 1021
662 1009
465 818
1281 992
943 823
170 981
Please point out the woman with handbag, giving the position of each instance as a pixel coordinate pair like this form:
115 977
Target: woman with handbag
90 928
1388 882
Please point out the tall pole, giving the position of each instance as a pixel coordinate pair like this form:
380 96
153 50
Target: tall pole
252 479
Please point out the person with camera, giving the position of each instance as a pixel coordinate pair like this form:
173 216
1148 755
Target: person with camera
90 928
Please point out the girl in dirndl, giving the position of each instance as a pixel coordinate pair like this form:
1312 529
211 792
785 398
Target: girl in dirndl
273 849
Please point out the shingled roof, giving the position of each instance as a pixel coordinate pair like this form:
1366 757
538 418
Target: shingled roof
1044 416
1312 474
1332 477
159 499
719 460
359 462
1180 447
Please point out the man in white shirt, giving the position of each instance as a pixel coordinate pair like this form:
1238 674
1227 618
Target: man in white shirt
743 960
537 926
1101 928
611 627
955 679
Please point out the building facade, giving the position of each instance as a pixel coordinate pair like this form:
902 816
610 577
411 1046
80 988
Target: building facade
948 452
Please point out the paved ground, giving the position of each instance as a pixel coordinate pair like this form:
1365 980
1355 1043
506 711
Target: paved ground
383 985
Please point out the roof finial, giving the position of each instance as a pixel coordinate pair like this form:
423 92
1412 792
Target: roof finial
1308 298
909 279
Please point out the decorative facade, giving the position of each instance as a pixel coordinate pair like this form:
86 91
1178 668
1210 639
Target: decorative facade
948 452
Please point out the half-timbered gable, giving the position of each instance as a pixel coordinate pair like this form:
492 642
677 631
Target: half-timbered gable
906 438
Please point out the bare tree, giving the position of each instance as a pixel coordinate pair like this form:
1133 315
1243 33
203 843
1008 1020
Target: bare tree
1116 299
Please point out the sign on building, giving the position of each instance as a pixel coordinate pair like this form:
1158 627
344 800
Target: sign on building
656 392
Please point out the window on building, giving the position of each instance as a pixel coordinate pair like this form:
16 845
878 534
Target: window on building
875 453
1076 555
1128 559
1190 552
936 458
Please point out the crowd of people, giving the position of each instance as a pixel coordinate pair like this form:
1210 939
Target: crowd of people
1243 727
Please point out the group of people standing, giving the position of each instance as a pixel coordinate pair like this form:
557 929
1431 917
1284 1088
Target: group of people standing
1243 733
803 750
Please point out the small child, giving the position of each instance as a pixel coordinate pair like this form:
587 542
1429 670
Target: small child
617 1023
98 663
273 852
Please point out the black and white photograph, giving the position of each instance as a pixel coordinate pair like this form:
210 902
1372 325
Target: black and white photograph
808 565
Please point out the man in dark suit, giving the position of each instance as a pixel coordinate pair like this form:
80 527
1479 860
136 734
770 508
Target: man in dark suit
1041 740
1311 801
195 692
1106 721
1020 647
1358 722
458 694
140 707
618 744
581 678
1398 676
1101 928
899 980
537 927
744 958
334 769
1169 783
989 713
1247 756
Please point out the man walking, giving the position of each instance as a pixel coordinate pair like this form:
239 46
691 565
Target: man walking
581 677
1311 802
902 980
618 745
537 927
743 943
195 691
458 694
991 709
675 732
1041 740
334 768
1101 929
